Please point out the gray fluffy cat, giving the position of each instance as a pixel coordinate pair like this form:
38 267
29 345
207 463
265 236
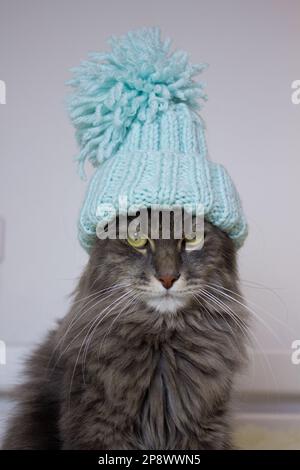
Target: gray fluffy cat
146 357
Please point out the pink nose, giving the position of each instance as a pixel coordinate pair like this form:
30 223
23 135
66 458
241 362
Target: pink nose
168 280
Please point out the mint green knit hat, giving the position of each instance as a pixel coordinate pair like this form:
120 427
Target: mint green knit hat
135 111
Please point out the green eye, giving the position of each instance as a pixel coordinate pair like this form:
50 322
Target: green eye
137 242
195 243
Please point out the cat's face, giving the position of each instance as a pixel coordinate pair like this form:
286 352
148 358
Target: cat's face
168 274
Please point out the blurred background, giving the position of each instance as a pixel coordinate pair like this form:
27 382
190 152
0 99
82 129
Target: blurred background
252 128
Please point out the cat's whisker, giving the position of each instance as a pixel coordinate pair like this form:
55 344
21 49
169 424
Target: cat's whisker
101 296
252 312
75 320
249 332
132 301
232 298
220 289
97 321
232 315
115 304
207 295
259 286
203 305
107 310
104 295
239 321
105 290
241 325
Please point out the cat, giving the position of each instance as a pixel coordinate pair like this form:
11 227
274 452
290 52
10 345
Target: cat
146 356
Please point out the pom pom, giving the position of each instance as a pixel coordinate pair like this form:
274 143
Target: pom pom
137 80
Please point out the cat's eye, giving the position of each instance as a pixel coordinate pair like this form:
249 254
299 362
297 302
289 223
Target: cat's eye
195 243
137 242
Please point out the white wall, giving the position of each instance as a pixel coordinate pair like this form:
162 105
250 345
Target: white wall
253 129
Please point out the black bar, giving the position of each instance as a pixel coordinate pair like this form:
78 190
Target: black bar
134 459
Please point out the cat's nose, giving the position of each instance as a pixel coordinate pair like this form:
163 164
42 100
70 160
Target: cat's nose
168 280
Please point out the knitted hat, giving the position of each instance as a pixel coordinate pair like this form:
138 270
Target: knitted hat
135 114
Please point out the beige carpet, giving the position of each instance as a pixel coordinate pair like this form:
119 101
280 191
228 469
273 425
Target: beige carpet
251 436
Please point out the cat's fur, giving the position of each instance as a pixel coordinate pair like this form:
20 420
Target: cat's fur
128 375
